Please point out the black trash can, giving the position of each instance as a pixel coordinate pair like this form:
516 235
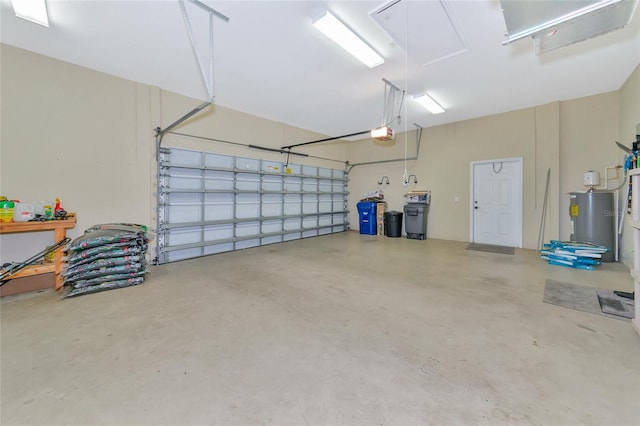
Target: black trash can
393 223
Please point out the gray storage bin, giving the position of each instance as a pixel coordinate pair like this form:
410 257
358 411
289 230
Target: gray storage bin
415 220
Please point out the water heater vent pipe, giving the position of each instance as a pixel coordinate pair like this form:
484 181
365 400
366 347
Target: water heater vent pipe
592 179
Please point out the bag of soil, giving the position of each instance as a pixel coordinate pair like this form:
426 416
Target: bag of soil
108 285
101 263
104 237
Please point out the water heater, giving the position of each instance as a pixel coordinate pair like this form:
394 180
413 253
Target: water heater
593 220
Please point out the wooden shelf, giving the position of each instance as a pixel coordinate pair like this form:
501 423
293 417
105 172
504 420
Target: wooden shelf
50 225
59 228
32 270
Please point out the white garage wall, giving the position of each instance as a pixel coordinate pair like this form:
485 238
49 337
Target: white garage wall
588 131
87 137
443 167
72 133
570 137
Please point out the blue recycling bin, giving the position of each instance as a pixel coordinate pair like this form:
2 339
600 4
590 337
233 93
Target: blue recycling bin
367 213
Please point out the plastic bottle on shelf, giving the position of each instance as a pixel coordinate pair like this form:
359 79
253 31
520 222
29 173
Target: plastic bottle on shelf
6 211
23 212
57 207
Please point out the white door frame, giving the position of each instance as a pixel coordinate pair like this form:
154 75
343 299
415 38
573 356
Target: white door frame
518 215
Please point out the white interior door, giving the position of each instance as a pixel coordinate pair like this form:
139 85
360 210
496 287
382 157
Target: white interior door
496 203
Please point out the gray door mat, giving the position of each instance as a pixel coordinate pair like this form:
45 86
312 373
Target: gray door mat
491 248
580 298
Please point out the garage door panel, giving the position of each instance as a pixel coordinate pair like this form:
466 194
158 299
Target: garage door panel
310 222
218 232
185 157
185 213
247 163
325 185
185 236
219 207
184 182
247 228
245 244
292 205
247 182
293 184
272 240
219 161
212 203
175 255
219 180
271 226
271 184
292 224
325 231
176 198
216 248
292 236
272 205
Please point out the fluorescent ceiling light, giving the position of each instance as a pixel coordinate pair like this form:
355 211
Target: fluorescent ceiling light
432 106
31 10
343 36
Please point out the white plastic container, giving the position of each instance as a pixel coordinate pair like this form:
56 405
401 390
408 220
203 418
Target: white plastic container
23 212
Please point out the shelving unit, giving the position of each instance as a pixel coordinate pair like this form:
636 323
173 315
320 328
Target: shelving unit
210 203
634 175
59 228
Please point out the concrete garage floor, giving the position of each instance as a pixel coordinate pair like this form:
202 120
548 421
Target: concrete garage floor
337 330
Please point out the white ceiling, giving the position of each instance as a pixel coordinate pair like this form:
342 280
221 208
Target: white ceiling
270 61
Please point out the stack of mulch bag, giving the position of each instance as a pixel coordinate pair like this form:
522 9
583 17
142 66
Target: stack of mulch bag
107 256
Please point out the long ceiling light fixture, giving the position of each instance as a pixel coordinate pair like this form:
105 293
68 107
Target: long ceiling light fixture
31 10
556 24
330 26
429 103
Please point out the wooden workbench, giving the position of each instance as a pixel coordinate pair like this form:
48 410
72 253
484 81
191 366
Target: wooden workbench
59 228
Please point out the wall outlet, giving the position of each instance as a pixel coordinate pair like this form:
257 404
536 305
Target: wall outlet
456 199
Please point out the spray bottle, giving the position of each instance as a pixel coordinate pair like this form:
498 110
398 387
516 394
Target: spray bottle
57 208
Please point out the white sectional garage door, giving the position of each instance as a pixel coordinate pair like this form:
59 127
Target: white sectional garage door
211 203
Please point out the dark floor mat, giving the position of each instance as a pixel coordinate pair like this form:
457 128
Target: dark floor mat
491 248
578 297
611 303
